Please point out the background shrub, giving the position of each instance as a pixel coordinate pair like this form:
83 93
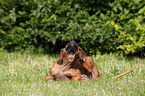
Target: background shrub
97 25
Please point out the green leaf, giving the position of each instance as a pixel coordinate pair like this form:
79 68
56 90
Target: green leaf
142 11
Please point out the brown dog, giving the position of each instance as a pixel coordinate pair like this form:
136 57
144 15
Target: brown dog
70 65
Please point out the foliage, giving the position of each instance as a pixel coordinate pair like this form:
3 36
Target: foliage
98 25
133 38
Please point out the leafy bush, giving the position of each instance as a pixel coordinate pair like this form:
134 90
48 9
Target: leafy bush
97 25
132 39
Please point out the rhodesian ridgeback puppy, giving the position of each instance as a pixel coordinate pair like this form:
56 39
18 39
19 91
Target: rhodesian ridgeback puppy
71 66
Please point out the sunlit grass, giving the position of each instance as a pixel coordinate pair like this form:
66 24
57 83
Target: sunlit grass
20 75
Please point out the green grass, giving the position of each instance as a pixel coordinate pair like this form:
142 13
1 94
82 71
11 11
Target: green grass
20 75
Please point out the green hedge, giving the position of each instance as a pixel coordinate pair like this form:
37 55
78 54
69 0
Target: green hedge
98 25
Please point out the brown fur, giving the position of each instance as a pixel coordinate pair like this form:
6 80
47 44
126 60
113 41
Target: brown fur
71 66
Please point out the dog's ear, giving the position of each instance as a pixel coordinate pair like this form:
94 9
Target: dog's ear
62 51
60 56
82 54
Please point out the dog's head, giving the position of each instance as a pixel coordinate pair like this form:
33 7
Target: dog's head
71 51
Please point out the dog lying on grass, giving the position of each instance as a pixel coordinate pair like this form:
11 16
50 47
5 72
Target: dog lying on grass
71 66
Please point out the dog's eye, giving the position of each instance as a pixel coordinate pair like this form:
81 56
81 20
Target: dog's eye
60 62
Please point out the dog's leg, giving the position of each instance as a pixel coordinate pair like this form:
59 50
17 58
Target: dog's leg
74 73
86 66
91 63
47 78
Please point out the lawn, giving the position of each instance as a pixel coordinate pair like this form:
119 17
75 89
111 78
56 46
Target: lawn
21 73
